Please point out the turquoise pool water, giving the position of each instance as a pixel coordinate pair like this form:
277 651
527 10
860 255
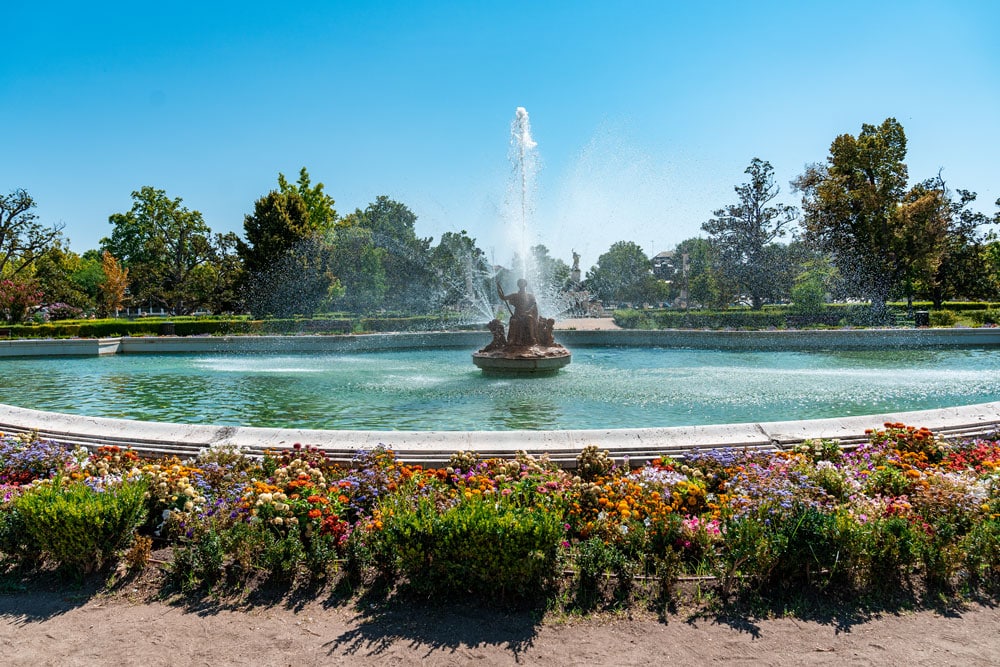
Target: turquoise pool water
604 388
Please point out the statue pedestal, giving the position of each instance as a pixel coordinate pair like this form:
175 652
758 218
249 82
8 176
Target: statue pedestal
534 359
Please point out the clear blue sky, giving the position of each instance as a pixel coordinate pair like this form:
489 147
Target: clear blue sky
645 113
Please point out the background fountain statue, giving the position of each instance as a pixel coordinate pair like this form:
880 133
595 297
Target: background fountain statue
528 345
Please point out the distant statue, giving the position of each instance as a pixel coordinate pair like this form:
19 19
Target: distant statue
523 330
576 261
499 341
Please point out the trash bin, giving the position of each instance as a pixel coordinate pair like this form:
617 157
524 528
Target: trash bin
167 329
921 318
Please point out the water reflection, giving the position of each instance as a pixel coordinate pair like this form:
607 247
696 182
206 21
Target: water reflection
519 413
440 390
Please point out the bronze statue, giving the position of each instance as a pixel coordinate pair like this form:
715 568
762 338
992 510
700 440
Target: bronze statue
499 341
523 329
529 346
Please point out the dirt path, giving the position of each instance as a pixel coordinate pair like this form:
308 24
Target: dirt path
58 629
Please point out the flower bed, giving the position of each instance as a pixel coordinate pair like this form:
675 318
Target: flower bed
905 511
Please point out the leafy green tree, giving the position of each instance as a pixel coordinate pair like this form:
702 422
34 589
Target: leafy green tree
220 279
697 279
811 287
880 236
963 271
162 243
22 238
464 277
89 274
57 273
319 206
625 274
408 272
743 234
287 264
360 267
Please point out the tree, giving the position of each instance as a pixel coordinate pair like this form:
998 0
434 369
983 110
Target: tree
464 277
60 274
624 273
857 209
287 264
320 211
22 239
696 279
162 243
359 266
408 272
743 233
17 299
113 287
222 276
963 271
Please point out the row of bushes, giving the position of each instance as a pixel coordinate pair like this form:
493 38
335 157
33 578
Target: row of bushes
906 511
780 317
234 326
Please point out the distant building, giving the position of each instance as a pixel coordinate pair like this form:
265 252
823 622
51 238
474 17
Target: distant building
663 265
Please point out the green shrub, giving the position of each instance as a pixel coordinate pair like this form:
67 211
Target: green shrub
16 544
79 527
783 550
594 559
495 550
198 562
882 552
982 556
984 317
943 318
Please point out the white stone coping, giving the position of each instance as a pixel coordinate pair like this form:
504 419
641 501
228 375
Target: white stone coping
434 447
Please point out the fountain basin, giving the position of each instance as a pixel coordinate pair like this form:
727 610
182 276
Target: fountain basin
430 446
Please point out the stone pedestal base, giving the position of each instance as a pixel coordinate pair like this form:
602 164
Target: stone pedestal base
529 360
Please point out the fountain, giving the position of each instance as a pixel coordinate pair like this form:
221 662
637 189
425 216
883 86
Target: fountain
639 394
528 346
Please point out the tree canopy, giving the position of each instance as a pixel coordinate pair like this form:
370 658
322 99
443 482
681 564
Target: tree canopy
22 238
625 274
857 209
287 263
162 243
743 234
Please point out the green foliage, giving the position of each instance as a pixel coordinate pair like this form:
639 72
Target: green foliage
985 317
162 244
882 237
287 263
982 555
700 319
16 544
78 527
943 318
745 235
594 559
783 550
493 550
881 552
624 273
